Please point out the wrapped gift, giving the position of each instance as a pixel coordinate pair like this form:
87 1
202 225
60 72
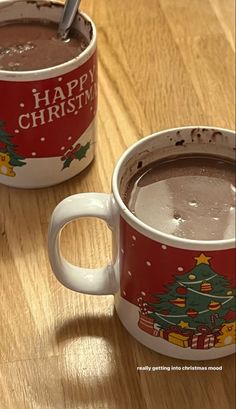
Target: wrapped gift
179 339
162 333
156 330
177 336
146 323
204 338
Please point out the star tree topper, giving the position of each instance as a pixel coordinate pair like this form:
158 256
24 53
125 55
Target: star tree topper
202 259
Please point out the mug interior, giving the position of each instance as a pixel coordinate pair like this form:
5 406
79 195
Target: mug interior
163 145
51 11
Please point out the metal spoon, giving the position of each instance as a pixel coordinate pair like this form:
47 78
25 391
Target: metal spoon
67 18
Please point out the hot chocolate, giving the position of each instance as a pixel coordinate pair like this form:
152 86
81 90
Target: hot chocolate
192 197
33 44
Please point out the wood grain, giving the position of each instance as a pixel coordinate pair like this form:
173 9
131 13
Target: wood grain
162 63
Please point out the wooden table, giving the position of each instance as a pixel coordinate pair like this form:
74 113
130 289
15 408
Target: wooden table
162 63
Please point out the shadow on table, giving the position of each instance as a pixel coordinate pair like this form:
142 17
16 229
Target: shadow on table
99 363
108 377
25 213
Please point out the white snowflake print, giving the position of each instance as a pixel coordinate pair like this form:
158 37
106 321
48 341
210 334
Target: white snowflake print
164 247
148 263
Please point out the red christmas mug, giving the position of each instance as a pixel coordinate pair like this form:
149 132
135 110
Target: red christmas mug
47 116
174 295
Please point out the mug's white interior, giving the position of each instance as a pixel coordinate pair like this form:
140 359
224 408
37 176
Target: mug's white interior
44 10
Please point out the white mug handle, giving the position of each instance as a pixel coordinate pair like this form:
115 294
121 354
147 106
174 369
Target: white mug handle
84 280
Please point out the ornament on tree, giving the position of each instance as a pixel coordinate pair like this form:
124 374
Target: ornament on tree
192 277
192 313
214 306
179 302
229 292
206 287
181 290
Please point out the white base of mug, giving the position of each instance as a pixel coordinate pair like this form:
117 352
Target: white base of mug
45 172
129 316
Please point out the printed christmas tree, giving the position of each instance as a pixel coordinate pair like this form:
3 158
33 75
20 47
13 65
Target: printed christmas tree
8 148
200 296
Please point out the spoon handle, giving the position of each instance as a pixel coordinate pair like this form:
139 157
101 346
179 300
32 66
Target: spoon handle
67 18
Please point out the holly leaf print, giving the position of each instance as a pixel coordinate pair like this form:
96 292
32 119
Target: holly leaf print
81 153
67 163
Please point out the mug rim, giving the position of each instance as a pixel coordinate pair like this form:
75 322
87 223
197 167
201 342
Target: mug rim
60 69
149 231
